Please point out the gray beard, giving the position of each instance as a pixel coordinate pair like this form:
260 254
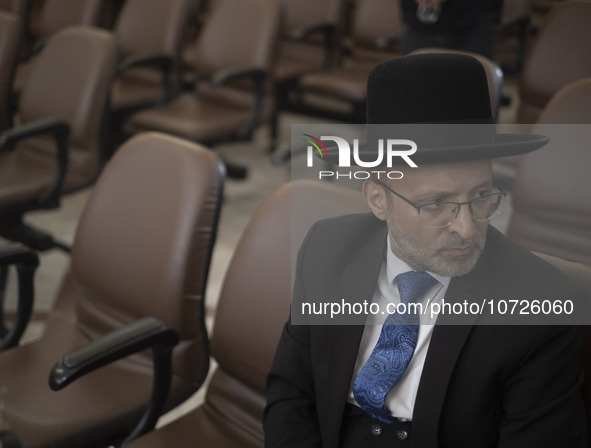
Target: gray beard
428 258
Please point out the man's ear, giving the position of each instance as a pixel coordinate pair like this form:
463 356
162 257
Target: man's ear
376 199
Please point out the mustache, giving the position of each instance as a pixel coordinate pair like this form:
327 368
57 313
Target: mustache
454 241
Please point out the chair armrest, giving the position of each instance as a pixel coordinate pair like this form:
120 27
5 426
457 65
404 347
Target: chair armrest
26 262
160 61
145 333
258 76
327 30
225 76
61 132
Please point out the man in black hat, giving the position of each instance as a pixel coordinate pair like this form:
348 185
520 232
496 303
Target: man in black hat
411 382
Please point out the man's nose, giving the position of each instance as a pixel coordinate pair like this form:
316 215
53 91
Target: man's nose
464 224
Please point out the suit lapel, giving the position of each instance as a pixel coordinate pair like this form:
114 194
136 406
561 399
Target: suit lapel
445 347
357 284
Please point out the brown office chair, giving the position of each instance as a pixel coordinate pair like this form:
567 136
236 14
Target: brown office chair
233 58
54 15
150 35
9 41
513 34
551 210
66 92
310 37
20 8
580 274
376 28
558 55
142 248
310 41
570 105
249 319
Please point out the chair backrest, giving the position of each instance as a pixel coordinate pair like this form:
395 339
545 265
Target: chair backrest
254 302
515 9
237 34
144 243
301 14
570 105
70 80
56 15
513 33
558 55
146 27
551 211
373 22
494 75
300 55
9 40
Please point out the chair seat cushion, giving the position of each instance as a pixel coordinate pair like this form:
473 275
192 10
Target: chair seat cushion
196 118
345 82
206 426
71 417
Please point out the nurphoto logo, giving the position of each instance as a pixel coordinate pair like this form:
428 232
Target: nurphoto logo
387 151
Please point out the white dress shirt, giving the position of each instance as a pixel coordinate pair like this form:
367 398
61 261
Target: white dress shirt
401 399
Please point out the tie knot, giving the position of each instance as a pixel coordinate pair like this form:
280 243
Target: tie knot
414 285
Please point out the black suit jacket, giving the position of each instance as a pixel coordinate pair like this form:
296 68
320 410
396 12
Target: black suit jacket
481 386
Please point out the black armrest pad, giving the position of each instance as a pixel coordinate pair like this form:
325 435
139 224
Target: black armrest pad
145 333
61 132
26 262
303 33
19 255
42 126
226 76
162 61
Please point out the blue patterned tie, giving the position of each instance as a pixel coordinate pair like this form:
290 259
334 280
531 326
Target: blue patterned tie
394 349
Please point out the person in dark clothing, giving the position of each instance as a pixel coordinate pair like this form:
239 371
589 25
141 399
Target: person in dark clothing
466 25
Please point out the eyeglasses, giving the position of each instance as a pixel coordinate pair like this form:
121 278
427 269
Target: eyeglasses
436 215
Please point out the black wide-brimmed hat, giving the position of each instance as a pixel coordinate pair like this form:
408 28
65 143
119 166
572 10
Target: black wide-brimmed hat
440 101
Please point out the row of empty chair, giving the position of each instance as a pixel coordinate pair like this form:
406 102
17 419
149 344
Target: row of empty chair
314 56
69 86
331 34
